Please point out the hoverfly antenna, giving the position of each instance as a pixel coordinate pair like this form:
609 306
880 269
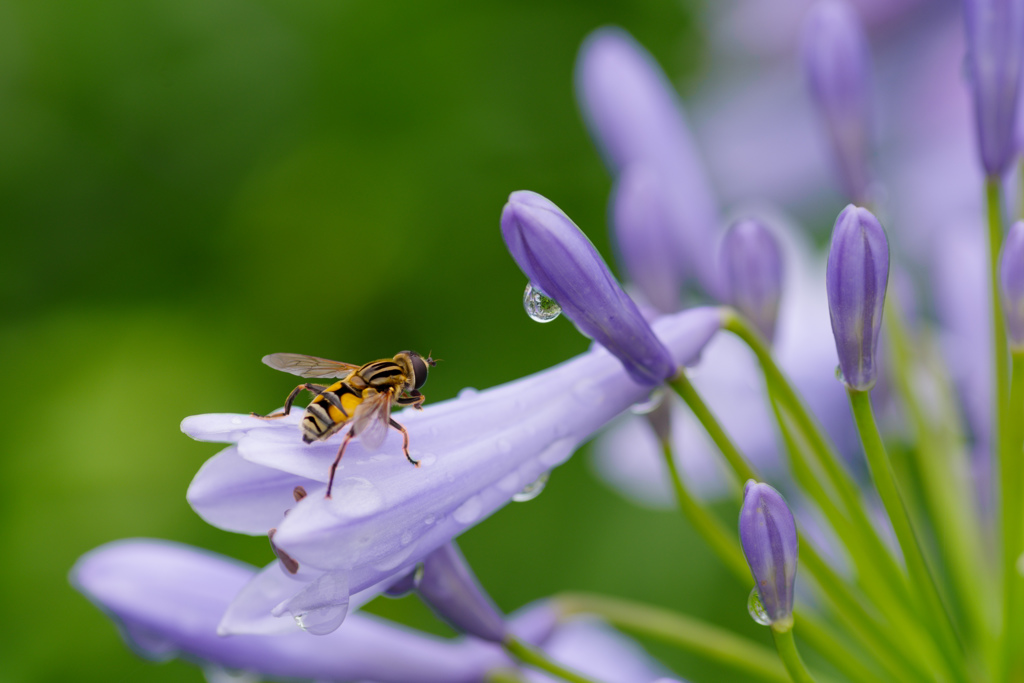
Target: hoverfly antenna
431 361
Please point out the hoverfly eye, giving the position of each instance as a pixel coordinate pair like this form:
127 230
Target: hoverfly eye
419 370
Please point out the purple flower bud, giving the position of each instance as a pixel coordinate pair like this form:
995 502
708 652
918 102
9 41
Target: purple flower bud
644 236
559 260
1011 284
448 586
834 51
995 32
855 279
768 535
752 271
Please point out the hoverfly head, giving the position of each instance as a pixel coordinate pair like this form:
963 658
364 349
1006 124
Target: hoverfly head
419 366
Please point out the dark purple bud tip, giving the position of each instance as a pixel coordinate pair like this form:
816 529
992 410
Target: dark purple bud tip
559 260
995 44
855 281
449 587
834 51
1011 285
768 536
752 271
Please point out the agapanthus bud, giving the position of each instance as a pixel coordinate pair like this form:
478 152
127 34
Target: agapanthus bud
752 271
449 587
768 536
995 46
559 260
855 280
834 51
1011 284
643 233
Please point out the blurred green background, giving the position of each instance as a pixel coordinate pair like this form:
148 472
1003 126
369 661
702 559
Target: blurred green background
176 174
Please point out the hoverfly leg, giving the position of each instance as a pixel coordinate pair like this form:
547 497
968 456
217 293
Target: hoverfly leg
414 400
405 441
315 388
337 459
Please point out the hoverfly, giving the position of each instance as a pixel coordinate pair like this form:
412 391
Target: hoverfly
363 397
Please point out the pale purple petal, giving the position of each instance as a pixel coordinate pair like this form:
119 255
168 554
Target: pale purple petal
450 588
386 515
169 598
226 478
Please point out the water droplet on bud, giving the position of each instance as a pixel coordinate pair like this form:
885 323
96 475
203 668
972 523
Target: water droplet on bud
651 404
532 490
756 608
539 307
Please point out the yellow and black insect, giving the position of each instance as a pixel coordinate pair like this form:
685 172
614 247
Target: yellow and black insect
363 397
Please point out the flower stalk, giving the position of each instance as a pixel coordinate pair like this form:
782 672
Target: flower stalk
533 657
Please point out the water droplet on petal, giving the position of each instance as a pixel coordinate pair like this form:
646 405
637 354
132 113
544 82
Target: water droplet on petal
429 519
236 420
468 512
532 490
539 307
652 402
510 483
557 452
406 537
417 576
425 460
839 373
756 609
467 392
323 620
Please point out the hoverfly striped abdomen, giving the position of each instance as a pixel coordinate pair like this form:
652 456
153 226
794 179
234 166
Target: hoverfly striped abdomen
329 410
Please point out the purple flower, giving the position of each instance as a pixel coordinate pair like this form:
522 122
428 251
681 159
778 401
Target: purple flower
1011 284
447 584
858 269
476 452
559 260
752 271
768 536
168 599
636 118
644 237
834 52
995 33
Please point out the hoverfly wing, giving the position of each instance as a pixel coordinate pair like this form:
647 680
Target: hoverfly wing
371 420
308 366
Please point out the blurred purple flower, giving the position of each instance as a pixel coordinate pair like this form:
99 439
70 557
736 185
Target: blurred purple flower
858 270
1011 284
834 51
636 118
643 233
995 48
168 599
752 272
476 452
768 536
557 258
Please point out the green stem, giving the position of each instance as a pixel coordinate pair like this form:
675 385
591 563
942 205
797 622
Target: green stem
868 548
921 578
537 659
1012 492
789 655
754 661
723 542
941 465
887 645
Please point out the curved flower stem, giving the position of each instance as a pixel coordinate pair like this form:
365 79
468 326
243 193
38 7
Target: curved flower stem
504 675
537 659
789 655
874 635
923 583
754 661
872 557
707 525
